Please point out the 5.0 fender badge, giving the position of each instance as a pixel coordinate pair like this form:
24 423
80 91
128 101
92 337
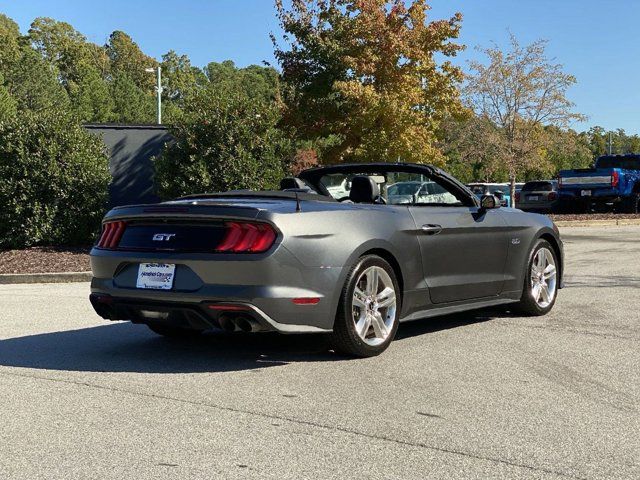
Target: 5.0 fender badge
515 241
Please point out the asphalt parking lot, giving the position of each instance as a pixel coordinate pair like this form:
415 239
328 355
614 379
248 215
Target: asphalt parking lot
481 395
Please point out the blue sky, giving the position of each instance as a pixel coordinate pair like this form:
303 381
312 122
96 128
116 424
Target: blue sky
597 41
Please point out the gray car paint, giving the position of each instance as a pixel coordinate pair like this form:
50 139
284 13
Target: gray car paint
478 259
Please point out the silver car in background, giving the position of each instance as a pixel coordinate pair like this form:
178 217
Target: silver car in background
416 192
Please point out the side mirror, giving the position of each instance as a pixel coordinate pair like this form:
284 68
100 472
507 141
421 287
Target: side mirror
489 202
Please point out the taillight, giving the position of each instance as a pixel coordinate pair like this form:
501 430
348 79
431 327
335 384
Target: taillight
559 182
247 238
615 178
111 234
552 196
517 196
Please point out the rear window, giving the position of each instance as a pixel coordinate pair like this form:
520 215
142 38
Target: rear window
537 187
627 163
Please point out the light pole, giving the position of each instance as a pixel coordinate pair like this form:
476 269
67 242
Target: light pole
158 90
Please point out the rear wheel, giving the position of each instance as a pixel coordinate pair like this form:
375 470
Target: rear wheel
173 332
541 281
369 309
631 204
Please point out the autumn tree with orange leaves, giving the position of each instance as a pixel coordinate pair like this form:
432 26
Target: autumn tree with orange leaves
362 77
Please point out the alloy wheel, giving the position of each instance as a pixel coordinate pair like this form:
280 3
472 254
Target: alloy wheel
374 305
543 278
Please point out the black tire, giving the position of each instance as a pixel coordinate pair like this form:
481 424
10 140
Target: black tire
528 304
170 331
565 206
631 204
345 338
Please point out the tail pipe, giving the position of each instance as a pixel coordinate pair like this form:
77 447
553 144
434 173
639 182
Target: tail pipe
239 322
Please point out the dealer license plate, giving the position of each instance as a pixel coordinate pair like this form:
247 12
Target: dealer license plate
585 193
157 276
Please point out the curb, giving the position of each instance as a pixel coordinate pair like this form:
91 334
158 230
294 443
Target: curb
599 223
66 277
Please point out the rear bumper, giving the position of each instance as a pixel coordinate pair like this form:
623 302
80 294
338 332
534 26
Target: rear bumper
265 286
197 315
602 195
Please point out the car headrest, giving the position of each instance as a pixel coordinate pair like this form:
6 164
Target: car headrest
292 183
363 190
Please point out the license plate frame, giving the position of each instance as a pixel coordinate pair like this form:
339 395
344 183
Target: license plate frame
156 276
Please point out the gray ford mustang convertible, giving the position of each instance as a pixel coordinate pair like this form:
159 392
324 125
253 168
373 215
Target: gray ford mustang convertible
330 252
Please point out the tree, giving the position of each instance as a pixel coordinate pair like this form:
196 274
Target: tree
520 92
53 181
34 84
91 99
80 65
254 81
29 80
179 80
365 73
562 150
127 58
8 105
470 157
223 142
131 105
598 140
10 48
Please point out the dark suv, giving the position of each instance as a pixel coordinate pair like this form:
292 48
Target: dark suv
540 196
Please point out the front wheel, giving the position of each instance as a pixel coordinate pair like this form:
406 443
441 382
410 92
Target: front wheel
541 281
369 309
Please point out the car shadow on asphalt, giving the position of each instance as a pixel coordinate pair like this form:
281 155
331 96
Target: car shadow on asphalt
124 347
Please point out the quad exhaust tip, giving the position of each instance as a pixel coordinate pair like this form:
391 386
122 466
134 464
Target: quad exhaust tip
243 323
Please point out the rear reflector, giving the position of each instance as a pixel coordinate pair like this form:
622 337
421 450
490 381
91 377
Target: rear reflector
306 301
111 234
247 238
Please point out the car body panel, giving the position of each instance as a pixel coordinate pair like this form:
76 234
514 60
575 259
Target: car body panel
477 271
473 261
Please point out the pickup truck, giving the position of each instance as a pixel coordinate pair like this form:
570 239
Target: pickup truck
614 181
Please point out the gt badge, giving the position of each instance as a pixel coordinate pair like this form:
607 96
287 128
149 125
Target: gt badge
163 237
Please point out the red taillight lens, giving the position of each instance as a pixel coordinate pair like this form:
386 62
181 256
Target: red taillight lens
552 196
517 196
247 238
111 234
615 178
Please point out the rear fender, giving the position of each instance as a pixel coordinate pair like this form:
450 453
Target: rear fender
369 246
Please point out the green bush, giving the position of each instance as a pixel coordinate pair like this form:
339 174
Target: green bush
225 141
54 181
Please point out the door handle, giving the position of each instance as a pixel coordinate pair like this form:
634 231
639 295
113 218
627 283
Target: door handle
431 229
